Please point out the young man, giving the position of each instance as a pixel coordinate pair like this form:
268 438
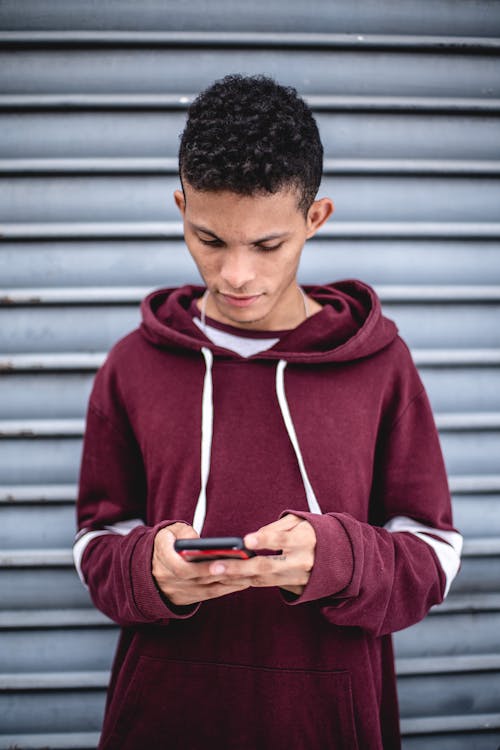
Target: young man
295 419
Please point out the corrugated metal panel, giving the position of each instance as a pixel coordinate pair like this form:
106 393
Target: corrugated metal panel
137 198
150 69
128 135
441 17
91 103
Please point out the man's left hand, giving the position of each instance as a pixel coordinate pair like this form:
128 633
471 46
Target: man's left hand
293 539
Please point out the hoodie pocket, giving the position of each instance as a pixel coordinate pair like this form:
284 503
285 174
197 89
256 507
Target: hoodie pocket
173 704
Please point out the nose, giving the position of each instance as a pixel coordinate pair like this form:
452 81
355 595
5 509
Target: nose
237 270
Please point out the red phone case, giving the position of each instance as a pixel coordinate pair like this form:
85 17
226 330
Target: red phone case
204 555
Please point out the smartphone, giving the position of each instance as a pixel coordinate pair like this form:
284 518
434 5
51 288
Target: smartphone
212 548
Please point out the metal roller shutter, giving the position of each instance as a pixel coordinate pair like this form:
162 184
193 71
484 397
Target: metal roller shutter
93 97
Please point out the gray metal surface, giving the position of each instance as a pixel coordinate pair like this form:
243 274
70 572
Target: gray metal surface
154 135
92 99
371 16
150 69
137 198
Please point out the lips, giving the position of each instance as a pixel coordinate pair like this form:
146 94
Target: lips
239 300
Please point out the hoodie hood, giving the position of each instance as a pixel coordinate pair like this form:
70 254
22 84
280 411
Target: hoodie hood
350 326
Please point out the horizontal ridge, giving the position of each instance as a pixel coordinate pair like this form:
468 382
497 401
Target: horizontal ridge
169 166
422 725
317 102
54 681
54 741
53 619
423 665
259 39
49 493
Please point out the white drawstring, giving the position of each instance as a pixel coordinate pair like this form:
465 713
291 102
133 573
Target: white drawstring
206 440
207 431
285 411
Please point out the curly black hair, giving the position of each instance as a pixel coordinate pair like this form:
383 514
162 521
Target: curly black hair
250 135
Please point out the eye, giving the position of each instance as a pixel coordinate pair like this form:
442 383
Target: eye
210 243
269 248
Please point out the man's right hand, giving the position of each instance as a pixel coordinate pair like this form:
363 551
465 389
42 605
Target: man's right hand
184 582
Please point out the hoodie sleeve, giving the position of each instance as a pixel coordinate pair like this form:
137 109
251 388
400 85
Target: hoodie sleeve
114 546
385 577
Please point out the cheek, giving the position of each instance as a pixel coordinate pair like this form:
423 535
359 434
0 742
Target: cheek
286 267
205 263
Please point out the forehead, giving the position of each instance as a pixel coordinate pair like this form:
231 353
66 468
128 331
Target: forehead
224 211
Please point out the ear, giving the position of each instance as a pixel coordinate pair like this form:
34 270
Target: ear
319 212
180 201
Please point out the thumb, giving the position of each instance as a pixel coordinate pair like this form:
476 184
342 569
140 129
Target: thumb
181 530
168 537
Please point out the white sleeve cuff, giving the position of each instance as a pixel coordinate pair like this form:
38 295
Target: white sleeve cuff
85 536
446 544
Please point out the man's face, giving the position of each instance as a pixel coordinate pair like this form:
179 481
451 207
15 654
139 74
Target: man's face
247 249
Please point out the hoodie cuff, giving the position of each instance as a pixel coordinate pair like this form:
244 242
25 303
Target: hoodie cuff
333 559
150 601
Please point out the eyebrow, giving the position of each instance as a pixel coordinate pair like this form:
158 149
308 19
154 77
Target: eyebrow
268 238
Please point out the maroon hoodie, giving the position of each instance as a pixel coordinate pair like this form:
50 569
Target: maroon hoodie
332 423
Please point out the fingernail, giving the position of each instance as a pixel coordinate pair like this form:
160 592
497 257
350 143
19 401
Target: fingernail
218 568
251 540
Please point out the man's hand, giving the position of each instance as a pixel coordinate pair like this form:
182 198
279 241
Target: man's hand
188 582
295 540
